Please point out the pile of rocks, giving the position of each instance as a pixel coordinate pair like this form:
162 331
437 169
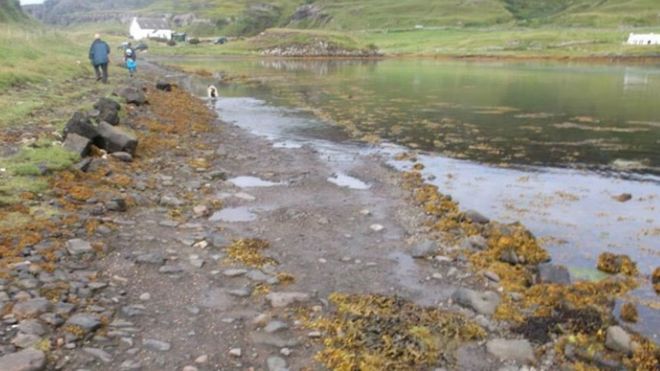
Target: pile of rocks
99 127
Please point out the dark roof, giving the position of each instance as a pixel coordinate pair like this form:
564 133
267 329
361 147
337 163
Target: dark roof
153 24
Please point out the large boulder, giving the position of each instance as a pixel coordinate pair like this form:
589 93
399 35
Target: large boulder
132 95
114 139
108 111
77 144
82 125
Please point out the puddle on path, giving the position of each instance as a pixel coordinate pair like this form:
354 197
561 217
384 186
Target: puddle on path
252 182
234 215
348 181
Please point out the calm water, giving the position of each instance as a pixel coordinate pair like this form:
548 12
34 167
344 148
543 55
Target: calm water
566 140
547 114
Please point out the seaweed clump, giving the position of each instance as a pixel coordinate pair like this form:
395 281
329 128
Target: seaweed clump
539 329
629 312
373 332
249 252
656 280
615 264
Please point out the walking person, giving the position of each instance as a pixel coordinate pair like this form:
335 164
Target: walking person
99 54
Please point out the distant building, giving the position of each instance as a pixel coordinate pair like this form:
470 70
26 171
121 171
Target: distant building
143 28
644 39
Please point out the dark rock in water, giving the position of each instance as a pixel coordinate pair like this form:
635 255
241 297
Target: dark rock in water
476 217
164 86
82 125
116 140
25 360
550 273
132 95
77 144
624 197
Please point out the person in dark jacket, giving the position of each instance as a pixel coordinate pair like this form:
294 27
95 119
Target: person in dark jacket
99 54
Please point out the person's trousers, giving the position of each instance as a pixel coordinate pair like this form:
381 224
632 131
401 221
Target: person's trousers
101 72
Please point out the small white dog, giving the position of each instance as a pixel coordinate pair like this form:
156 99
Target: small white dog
212 92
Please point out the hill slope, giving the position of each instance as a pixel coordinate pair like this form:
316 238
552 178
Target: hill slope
10 11
250 16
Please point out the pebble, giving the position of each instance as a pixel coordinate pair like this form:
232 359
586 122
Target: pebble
424 249
131 365
619 340
481 302
157 345
376 227
145 297
190 368
285 352
511 350
31 307
275 363
78 247
241 293
88 322
437 276
365 212
314 334
492 276
234 272
236 352
323 261
275 326
171 269
284 299
25 340
102 355
202 359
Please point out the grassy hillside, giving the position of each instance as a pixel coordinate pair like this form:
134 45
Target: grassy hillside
10 11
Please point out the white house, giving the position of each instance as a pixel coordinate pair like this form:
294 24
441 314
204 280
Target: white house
644 39
143 28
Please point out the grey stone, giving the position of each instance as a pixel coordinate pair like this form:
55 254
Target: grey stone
171 269
32 327
132 95
273 340
86 321
492 276
31 308
275 326
511 350
25 360
275 363
123 156
619 340
216 299
476 217
78 247
81 124
77 144
510 256
481 302
25 340
133 310
131 365
241 293
257 276
234 272
114 139
284 299
100 354
52 319
170 201
550 273
154 258
156 345
424 249
477 242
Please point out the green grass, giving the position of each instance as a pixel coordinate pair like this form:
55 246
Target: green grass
26 170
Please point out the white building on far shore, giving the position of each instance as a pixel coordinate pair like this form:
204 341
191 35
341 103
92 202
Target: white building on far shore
144 28
644 39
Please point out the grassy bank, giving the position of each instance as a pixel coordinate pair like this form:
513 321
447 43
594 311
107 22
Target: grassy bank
545 42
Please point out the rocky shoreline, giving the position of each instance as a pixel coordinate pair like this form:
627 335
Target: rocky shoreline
202 247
